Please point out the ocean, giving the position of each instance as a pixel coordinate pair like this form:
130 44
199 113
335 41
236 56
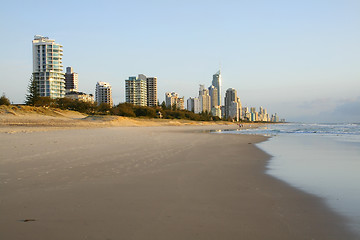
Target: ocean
320 159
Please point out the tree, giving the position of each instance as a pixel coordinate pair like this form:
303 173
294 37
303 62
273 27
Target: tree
163 105
4 100
33 92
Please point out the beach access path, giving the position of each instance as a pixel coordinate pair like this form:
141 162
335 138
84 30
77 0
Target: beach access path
150 183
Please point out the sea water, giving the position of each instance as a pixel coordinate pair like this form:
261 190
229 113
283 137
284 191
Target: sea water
321 159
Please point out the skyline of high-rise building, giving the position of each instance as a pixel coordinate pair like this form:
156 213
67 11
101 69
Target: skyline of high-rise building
232 107
47 67
142 91
263 115
71 80
103 93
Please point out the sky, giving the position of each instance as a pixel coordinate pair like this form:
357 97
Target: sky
299 59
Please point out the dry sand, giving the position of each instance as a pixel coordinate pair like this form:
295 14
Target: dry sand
150 183
26 119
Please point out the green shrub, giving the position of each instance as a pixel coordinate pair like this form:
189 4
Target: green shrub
124 109
76 105
44 102
145 112
4 100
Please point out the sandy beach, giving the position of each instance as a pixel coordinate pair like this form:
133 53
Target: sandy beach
159 182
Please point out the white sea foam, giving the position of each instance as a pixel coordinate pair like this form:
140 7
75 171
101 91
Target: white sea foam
304 128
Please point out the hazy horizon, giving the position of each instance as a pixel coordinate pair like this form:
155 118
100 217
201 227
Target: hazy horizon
299 59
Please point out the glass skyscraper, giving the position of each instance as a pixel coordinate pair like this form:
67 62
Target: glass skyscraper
216 82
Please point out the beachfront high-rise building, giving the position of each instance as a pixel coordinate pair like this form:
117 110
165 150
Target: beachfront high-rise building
141 90
180 103
240 108
205 100
275 118
232 104
71 80
253 114
151 90
216 111
217 84
136 90
103 93
80 96
47 67
172 99
215 107
213 92
245 114
193 104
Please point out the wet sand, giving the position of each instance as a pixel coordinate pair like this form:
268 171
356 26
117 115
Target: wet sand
150 183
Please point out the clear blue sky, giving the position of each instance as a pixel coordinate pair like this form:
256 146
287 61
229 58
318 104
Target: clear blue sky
300 59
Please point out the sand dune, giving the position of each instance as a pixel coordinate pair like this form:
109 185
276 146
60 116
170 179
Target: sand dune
16 119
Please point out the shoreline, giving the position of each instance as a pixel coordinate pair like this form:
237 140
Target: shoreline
323 156
314 160
151 183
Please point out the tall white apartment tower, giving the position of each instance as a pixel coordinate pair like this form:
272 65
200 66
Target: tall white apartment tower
205 99
141 90
103 93
216 82
136 91
47 67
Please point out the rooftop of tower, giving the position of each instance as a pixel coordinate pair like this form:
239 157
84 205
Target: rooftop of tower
39 37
